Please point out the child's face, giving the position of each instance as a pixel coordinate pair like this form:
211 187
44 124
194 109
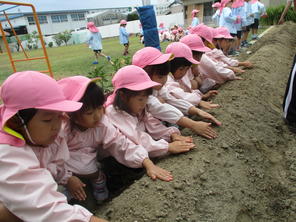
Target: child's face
90 118
225 44
44 127
161 79
180 72
137 104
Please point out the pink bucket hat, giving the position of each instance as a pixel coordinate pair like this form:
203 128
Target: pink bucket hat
161 25
203 31
180 50
91 27
150 56
194 12
74 87
238 3
31 89
216 5
195 43
123 22
130 77
222 31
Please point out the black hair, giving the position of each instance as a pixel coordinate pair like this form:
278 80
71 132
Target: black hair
27 114
197 54
120 104
159 69
93 97
178 62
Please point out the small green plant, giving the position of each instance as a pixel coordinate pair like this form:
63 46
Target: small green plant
62 37
50 44
105 78
32 40
120 62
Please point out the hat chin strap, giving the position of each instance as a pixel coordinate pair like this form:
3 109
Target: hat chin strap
26 129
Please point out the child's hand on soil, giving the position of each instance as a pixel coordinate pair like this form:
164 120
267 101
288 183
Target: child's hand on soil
180 147
208 105
248 64
75 187
204 129
177 137
238 70
208 116
155 172
209 94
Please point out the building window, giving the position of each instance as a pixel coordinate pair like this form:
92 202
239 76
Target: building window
59 18
78 17
31 20
42 19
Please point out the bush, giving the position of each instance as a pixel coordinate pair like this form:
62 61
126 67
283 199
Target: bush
50 44
62 37
274 14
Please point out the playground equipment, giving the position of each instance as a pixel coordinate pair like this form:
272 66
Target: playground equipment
12 5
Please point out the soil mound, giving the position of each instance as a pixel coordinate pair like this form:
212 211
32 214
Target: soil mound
247 174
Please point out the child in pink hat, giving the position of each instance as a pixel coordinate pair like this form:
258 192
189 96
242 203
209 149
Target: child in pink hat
216 16
123 36
126 108
31 117
195 20
90 132
209 68
222 40
95 42
181 63
161 104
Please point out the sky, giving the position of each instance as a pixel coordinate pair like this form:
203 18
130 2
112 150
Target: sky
52 5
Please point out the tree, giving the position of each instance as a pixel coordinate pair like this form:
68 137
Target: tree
132 17
62 37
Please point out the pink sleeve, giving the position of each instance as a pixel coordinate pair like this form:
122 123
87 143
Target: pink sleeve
180 104
30 192
135 131
157 130
120 147
54 158
163 111
213 70
223 58
193 97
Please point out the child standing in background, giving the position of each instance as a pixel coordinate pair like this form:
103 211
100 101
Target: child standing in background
164 106
95 42
195 20
31 116
123 36
126 108
216 16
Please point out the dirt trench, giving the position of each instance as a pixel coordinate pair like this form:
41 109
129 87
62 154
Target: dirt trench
248 174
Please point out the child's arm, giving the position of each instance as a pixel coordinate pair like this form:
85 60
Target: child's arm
30 192
208 104
155 172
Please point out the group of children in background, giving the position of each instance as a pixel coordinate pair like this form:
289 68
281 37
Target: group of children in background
65 132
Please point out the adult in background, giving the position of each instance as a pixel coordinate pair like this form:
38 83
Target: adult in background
289 104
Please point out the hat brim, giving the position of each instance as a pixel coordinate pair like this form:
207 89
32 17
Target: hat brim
142 86
228 37
93 29
82 90
219 36
193 61
201 49
62 106
162 59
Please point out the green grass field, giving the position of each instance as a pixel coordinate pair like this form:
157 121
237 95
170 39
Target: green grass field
72 59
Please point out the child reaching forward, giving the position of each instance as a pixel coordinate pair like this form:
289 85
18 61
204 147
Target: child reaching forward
179 66
126 108
95 42
90 132
31 116
164 106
